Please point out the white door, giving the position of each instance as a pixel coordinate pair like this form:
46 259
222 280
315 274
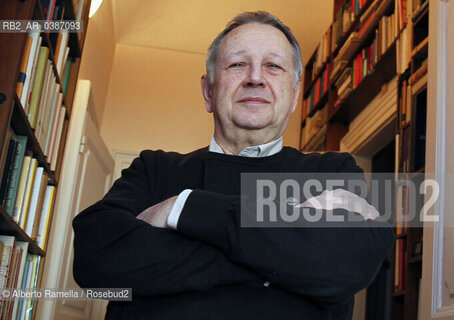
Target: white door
94 173
85 177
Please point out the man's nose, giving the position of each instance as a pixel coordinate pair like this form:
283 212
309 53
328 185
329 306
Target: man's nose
255 76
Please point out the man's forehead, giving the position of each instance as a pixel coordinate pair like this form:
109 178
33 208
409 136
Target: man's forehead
251 37
241 53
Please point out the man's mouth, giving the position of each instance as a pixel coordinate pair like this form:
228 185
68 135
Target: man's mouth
253 100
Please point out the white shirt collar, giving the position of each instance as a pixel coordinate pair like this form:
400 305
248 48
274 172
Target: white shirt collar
259 151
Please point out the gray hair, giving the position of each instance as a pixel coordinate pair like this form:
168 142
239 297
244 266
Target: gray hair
257 17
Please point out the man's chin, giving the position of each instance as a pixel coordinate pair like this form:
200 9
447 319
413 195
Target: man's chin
251 125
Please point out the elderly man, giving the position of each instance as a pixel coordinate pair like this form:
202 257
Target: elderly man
170 226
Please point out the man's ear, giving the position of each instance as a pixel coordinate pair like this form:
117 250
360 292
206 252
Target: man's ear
206 91
297 95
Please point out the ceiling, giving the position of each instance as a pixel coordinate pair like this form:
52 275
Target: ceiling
191 25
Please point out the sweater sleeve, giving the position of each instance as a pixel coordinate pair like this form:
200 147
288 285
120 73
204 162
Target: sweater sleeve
328 265
114 249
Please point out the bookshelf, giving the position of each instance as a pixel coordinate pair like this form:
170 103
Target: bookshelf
377 59
44 140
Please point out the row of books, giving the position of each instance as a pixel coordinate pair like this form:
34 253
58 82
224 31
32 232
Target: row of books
34 66
316 93
342 22
386 33
313 125
344 83
18 270
322 54
53 9
402 13
405 103
365 60
78 6
399 264
357 6
25 193
41 95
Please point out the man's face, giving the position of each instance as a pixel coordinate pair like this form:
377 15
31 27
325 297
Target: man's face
253 87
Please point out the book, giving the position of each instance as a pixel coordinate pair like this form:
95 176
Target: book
28 191
34 284
62 62
25 302
35 41
341 79
23 66
396 264
8 242
403 105
10 280
56 146
346 84
31 284
26 276
29 81
49 79
52 132
12 189
49 117
66 74
60 50
38 86
78 11
45 217
23 245
50 10
401 275
39 207
349 47
34 200
22 185
8 168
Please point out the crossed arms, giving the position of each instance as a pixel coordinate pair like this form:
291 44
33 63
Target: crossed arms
115 249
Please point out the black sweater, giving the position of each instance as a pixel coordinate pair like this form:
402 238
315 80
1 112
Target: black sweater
211 268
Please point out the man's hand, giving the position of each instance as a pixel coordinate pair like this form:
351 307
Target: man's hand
157 214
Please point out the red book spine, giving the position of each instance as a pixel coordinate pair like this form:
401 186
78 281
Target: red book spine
317 92
402 252
357 69
325 82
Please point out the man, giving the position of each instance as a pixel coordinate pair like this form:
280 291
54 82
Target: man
170 226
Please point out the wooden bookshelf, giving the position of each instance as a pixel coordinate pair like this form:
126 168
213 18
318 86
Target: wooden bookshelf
368 88
343 104
13 116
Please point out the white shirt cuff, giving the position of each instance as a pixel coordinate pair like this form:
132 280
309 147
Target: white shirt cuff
174 215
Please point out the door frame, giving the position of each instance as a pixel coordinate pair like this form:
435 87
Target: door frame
62 219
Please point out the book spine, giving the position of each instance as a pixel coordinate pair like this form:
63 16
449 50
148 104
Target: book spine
29 81
38 86
22 186
7 170
34 200
28 192
45 216
23 66
15 174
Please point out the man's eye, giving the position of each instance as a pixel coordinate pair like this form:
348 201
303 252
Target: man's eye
236 64
274 66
